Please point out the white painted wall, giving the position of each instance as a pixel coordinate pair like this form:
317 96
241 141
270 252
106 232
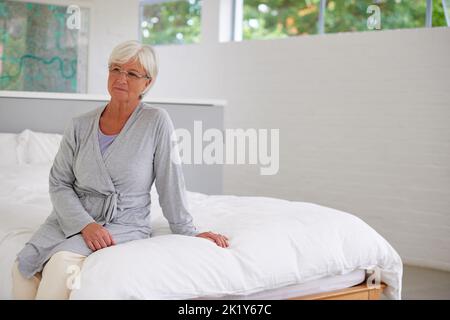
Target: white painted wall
112 22
364 118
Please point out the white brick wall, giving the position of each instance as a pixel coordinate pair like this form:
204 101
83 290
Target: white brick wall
364 123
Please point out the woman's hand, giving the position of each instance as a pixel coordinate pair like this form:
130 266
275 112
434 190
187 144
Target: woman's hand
96 237
219 239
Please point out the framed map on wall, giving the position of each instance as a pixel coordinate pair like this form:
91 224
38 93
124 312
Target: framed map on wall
43 47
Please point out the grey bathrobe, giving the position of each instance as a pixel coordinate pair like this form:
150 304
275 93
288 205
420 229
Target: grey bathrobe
112 190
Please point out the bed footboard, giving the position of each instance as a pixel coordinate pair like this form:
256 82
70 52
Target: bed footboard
358 292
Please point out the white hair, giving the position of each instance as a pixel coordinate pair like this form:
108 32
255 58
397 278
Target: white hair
133 50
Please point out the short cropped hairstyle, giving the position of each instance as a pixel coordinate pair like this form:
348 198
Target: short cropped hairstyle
134 50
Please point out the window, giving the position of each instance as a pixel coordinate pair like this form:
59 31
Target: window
441 13
279 19
170 22
40 50
350 15
267 19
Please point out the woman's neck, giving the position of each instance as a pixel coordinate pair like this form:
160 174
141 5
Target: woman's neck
120 111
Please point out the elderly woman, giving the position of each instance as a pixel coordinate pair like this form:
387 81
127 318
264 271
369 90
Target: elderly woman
101 178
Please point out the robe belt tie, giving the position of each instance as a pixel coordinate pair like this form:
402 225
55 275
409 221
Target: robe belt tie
109 209
110 206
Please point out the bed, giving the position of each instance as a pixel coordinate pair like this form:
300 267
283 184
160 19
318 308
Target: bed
279 249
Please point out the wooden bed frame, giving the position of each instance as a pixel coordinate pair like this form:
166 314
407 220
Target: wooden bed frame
358 292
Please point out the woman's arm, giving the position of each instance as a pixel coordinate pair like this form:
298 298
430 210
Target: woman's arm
171 187
170 181
71 215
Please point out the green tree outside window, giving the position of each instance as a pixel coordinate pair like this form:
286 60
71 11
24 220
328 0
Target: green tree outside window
267 19
173 22
279 18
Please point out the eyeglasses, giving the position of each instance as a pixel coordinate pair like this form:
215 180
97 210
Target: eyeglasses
132 75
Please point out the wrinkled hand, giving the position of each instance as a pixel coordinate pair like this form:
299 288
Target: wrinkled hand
96 237
219 239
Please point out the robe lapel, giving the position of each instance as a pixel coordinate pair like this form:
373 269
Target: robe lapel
110 205
122 133
97 153
103 159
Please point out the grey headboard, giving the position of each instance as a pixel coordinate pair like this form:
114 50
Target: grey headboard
51 115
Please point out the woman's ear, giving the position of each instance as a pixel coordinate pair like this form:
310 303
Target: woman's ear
147 83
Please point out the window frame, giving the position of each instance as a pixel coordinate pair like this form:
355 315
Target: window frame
238 6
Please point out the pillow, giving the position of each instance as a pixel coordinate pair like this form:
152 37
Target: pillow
37 147
8 148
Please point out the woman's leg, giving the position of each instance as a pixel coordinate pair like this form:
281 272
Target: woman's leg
60 275
23 288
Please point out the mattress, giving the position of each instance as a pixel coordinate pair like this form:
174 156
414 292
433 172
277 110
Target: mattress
326 284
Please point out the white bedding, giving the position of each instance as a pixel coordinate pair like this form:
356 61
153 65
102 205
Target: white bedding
273 243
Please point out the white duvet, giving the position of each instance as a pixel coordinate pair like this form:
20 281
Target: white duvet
273 243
